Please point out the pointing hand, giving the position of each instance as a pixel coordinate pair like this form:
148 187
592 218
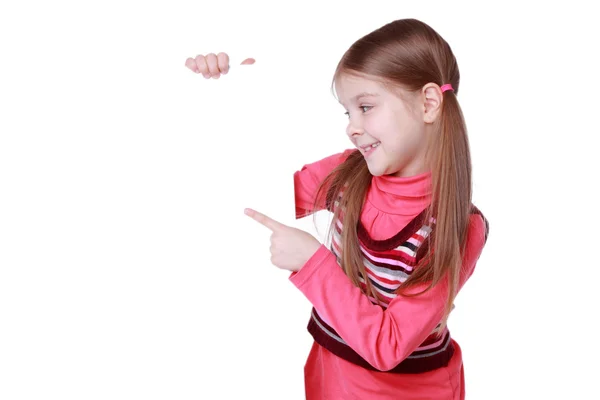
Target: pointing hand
291 248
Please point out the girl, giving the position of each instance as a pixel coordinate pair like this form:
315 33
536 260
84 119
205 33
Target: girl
405 236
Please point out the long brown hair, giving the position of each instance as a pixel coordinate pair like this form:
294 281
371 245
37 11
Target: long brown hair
408 53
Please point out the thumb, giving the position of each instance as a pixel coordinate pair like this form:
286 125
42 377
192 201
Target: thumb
247 61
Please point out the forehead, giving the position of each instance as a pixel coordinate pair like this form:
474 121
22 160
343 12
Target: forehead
349 86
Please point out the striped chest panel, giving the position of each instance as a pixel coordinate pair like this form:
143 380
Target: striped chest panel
388 269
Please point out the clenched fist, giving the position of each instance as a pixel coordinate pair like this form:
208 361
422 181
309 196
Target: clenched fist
212 65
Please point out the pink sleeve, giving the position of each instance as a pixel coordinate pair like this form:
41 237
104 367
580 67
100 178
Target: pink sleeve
382 337
308 179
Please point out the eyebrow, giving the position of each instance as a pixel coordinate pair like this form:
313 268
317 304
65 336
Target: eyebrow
361 95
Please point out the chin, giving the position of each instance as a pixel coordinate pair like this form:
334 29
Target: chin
376 171
382 171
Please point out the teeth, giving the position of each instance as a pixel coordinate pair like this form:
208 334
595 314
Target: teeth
371 146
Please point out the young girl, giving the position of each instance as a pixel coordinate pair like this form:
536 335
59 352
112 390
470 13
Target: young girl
405 235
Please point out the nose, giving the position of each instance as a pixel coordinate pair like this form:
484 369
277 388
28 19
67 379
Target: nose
354 129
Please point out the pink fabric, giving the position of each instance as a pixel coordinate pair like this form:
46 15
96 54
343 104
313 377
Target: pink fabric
383 338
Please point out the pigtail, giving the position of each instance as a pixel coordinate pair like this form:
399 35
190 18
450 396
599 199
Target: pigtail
450 204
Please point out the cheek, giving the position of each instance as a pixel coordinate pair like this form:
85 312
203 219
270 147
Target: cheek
379 125
385 129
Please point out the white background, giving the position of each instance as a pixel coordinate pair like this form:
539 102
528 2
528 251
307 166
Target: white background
127 267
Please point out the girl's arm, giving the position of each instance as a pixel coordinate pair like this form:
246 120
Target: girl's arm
308 179
382 337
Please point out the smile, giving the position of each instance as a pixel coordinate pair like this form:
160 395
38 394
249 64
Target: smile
368 149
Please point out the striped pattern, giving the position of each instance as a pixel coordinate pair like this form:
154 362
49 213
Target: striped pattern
386 270
388 264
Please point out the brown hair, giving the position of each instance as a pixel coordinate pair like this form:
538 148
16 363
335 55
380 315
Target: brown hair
409 54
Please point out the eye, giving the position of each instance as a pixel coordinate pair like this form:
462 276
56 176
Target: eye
363 107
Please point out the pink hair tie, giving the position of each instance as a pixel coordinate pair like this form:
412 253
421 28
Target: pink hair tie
447 86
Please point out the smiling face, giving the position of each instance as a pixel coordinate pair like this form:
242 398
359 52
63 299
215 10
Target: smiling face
390 131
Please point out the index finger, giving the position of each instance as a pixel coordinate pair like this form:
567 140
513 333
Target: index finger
263 219
223 61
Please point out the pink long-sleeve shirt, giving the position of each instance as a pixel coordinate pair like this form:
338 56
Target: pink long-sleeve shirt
382 337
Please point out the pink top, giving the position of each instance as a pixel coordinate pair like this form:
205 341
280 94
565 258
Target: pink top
382 337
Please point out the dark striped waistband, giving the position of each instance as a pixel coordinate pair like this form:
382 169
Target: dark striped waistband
417 362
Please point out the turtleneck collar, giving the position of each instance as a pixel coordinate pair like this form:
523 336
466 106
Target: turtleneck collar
400 195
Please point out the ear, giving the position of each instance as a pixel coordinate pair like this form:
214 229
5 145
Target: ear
432 101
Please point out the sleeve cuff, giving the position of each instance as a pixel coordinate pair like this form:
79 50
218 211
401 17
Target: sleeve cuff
311 266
